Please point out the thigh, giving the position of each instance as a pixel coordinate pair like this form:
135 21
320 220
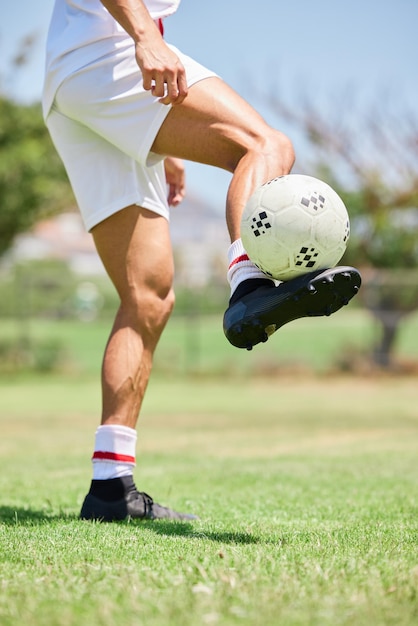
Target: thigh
214 125
135 248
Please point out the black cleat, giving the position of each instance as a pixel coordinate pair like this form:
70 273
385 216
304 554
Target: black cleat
118 499
255 314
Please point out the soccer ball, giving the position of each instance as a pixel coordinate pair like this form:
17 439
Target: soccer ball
293 225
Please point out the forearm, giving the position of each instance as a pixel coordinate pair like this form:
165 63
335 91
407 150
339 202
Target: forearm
133 16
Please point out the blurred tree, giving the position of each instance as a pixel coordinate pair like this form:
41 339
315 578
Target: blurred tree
370 155
33 182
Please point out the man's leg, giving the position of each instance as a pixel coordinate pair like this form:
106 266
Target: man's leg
134 245
214 125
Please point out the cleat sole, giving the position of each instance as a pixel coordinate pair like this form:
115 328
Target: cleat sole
255 317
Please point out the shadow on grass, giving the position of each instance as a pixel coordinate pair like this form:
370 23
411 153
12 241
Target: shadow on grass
13 516
167 528
19 516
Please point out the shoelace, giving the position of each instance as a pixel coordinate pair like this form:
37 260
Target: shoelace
148 501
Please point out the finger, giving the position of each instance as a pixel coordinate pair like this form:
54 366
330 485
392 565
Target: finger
174 95
147 81
175 198
178 89
158 88
165 100
170 95
183 87
172 193
176 193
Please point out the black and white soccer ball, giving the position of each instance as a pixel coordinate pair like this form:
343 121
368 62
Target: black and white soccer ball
293 225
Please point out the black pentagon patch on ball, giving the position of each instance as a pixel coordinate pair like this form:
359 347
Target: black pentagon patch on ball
260 224
306 258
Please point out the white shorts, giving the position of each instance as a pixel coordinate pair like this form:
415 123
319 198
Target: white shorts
103 124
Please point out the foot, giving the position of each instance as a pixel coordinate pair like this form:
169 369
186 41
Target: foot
256 313
118 499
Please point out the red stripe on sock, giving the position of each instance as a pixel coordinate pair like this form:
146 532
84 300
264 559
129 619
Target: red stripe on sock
243 257
113 456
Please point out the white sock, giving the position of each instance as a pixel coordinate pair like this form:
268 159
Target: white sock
240 267
114 452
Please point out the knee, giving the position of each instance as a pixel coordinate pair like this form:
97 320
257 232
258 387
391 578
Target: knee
279 148
284 146
271 146
148 310
155 309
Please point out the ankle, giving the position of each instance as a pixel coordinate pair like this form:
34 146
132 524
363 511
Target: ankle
112 489
241 268
114 452
249 285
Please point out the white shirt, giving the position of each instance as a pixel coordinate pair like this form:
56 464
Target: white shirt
82 31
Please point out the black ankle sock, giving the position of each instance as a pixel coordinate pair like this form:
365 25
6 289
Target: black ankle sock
112 489
249 285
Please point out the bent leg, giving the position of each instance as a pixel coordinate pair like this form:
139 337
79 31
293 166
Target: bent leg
134 245
215 126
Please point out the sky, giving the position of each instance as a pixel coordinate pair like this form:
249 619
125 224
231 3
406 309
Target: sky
323 47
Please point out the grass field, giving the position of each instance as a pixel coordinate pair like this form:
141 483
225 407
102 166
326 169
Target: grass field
306 488
197 344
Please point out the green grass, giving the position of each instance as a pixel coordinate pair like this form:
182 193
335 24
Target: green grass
306 488
197 344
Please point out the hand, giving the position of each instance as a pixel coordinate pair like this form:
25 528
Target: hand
176 179
162 71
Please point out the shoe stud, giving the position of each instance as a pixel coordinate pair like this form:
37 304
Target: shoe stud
270 329
249 346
